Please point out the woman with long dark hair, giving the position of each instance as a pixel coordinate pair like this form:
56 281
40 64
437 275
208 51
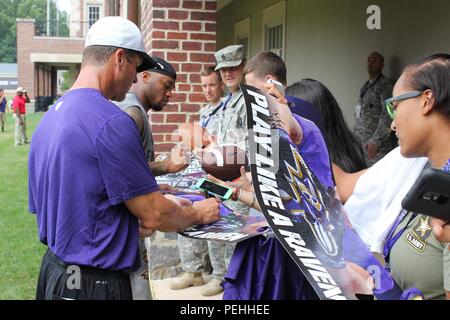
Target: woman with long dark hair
344 147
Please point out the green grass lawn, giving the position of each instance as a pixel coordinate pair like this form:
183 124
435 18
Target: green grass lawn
20 249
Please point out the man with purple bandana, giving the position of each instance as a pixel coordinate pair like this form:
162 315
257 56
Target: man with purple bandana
89 182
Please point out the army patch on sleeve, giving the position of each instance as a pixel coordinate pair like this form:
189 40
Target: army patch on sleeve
420 234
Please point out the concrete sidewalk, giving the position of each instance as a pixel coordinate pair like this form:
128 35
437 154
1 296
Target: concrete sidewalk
161 291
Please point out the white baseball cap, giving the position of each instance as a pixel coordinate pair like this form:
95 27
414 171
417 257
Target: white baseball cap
20 89
121 33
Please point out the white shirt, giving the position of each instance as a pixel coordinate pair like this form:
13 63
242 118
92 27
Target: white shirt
376 201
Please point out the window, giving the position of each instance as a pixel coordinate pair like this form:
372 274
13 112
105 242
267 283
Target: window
93 14
244 42
274 38
274 22
242 35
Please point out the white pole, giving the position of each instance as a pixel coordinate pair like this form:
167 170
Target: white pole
57 18
48 18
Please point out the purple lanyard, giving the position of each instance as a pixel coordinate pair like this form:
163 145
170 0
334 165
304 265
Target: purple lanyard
446 167
391 238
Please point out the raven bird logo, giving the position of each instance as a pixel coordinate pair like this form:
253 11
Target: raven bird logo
314 213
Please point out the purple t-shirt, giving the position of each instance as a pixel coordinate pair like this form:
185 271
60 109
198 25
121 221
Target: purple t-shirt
314 151
85 160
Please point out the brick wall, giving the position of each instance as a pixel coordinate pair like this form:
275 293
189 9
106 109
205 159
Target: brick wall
27 43
183 33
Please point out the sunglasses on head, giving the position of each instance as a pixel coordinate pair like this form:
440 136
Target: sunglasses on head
390 102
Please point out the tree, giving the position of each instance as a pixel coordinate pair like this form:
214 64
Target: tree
31 9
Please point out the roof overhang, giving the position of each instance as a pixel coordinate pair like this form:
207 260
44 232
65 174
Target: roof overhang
56 57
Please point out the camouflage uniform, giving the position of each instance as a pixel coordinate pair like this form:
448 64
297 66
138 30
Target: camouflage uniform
229 120
232 119
229 124
209 116
372 122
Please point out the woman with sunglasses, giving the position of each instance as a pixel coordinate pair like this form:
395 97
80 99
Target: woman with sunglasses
420 109
418 260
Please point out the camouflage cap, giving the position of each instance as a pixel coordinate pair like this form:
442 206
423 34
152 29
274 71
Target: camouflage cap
231 56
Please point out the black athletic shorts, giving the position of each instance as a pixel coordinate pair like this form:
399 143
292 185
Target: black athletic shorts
60 281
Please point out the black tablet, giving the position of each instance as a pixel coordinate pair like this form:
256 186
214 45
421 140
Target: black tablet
430 195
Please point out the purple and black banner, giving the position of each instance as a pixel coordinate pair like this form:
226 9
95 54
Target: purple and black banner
306 216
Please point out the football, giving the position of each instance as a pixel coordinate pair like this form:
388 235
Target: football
224 162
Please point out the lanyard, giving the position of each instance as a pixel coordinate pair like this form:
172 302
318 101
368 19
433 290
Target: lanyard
446 167
368 85
391 238
222 105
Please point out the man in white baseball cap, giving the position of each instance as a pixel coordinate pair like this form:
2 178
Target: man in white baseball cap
89 182
120 33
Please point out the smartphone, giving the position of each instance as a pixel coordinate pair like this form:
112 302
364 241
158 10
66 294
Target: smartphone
214 189
278 84
430 195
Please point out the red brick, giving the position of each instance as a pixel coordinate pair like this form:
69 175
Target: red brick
28 43
203 16
176 66
158 35
172 137
188 107
163 128
162 44
181 77
191 67
177 118
177 35
191 26
211 5
191 46
194 78
178 97
158 138
159 54
157 118
172 107
166 3
192 4
210 27
197 88
194 118
158 14
202 36
176 56
178 14
166 25
196 97
202 57
183 87
209 46
164 147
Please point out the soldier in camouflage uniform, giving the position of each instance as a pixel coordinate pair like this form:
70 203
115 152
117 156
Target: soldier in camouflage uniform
212 87
228 122
372 122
